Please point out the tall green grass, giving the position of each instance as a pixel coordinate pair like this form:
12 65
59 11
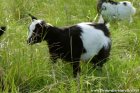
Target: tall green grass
28 69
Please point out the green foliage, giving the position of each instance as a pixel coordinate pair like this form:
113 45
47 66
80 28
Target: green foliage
28 69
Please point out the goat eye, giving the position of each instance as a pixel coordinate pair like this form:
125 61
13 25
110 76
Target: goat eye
103 8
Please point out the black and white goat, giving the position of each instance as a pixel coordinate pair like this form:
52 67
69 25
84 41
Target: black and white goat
112 10
2 30
83 41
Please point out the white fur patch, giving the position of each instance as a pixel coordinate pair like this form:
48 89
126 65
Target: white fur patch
119 11
32 27
93 40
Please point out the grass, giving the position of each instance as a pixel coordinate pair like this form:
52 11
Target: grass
28 69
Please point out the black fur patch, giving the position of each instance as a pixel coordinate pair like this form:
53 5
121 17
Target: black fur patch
2 30
113 2
103 28
65 42
125 3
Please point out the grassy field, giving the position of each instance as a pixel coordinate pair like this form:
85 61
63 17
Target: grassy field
28 69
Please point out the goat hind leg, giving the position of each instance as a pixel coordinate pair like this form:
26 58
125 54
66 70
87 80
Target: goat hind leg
76 68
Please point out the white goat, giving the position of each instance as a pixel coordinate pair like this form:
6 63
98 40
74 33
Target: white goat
111 10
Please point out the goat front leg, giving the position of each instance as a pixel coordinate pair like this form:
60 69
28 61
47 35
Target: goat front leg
76 68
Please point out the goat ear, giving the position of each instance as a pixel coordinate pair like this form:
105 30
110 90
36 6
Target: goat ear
33 18
3 28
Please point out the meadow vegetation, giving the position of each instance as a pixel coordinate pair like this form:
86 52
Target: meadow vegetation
28 69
